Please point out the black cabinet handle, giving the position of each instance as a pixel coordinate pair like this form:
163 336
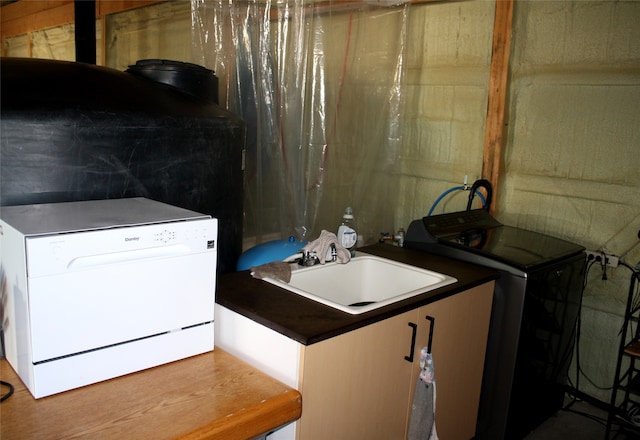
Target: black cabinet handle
414 330
432 321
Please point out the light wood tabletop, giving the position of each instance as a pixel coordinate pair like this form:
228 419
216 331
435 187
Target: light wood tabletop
209 396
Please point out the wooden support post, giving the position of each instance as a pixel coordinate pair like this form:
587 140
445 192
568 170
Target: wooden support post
498 83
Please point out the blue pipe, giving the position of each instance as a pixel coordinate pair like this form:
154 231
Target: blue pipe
450 190
484 202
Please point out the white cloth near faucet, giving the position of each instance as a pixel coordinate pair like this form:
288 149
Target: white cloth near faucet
322 247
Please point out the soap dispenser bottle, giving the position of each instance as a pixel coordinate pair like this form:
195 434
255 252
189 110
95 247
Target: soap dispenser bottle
347 235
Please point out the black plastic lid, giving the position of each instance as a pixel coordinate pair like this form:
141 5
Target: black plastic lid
193 79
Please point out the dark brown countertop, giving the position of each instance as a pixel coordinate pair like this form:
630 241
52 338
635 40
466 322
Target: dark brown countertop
308 321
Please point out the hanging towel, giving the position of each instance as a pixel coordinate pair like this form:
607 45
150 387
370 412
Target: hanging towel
422 423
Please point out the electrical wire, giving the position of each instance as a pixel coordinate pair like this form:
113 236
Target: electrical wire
579 371
578 328
8 393
331 134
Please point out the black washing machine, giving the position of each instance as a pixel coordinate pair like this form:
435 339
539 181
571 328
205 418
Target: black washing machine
536 304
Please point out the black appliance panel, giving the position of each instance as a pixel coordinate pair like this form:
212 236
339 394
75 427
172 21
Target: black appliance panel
547 334
477 231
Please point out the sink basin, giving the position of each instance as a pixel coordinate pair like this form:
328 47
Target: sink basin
367 282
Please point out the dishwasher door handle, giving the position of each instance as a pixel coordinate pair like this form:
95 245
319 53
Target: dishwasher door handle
129 256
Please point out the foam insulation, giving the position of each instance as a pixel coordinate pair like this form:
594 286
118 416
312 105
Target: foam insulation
17 46
55 43
448 59
160 31
571 161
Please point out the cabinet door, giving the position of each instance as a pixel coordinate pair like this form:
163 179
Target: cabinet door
460 330
355 386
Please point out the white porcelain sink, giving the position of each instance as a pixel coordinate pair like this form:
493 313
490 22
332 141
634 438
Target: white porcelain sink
367 282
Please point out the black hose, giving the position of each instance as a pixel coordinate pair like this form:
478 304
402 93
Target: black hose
477 184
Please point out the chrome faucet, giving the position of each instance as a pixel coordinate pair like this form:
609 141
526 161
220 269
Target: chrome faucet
334 253
310 258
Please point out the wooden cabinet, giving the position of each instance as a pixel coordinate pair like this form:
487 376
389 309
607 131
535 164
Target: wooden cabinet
360 384
460 333
356 385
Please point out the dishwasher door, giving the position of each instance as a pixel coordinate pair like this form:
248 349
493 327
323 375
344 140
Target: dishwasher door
96 289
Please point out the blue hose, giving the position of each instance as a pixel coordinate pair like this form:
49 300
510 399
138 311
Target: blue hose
450 190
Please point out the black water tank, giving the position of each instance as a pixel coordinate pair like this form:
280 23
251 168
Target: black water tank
74 131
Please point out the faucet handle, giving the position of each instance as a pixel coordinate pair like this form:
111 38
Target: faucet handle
308 258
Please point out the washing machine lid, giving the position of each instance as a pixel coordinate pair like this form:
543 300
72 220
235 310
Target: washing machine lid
476 231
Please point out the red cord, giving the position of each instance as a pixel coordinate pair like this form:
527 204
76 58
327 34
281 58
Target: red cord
335 118
325 153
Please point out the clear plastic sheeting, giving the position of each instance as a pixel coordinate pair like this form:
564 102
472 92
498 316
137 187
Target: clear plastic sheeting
318 84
